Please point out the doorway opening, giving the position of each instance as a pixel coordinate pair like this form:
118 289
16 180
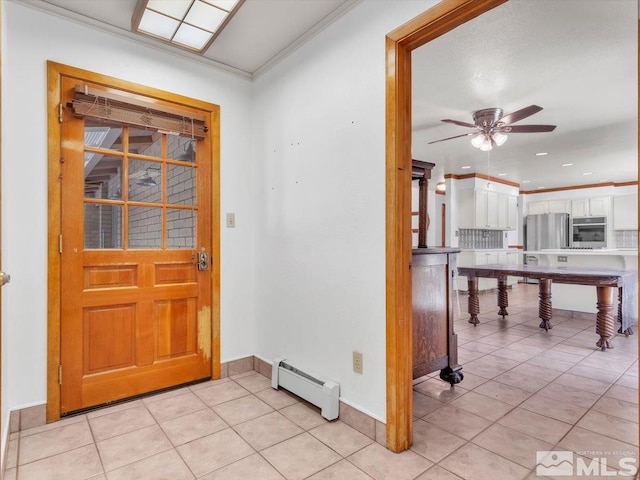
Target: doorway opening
440 19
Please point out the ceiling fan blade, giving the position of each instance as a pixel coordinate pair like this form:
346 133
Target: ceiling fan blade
450 138
520 114
531 128
458 122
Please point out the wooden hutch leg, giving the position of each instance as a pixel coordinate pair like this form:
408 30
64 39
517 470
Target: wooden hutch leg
474 301
544 307
628 331
503 299
605 322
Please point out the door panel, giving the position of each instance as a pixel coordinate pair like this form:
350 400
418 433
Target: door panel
135 308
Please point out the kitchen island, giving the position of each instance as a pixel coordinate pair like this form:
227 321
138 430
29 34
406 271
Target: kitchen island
580 298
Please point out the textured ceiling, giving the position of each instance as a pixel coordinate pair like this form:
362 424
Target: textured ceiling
575 58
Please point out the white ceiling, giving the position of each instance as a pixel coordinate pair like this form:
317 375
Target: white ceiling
258 35
575 58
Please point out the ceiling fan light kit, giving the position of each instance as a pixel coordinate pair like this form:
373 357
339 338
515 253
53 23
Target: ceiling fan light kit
491 126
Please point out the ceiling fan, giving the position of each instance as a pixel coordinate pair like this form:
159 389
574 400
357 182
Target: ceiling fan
491 126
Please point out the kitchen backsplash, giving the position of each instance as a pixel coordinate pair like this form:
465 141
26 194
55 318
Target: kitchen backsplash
476 239
626 238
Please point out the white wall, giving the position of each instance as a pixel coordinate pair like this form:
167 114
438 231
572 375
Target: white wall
319 150
303 272
30 39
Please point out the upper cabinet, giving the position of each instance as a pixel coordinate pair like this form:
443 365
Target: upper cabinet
549 206
625 212
590 207
479 208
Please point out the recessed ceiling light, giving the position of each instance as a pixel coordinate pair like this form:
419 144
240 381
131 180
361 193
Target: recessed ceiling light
541 154
587 173
540 188
526 181
466 167
567 164
191 24
603 181
502 174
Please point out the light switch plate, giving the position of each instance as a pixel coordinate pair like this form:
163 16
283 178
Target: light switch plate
231 220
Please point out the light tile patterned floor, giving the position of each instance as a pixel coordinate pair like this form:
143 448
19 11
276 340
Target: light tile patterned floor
525 390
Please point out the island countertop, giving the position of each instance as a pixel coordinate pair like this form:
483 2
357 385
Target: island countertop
589 252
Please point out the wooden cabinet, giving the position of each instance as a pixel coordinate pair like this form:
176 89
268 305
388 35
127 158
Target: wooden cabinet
435 345
625 212
590 207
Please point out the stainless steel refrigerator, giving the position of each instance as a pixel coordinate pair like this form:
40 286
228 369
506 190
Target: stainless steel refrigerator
549 230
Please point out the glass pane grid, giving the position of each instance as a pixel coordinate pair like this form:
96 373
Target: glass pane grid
157 209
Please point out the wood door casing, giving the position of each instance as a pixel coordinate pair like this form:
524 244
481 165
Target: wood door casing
133 319
434 22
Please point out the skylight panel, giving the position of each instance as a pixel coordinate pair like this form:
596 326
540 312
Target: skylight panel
191 37
191 24
158 25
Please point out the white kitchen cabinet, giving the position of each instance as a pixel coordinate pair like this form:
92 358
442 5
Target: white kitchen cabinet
549 206
477 209
485 258
625 212
507 211
559 206
537 208
590 207
512 212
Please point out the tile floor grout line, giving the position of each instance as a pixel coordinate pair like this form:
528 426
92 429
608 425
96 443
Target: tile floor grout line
95 445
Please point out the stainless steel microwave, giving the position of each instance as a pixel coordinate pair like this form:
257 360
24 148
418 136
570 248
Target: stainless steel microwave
589 232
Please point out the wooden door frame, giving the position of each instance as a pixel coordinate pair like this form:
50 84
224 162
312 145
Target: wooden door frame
436 21
55 72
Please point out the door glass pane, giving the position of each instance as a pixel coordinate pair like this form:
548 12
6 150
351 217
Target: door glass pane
145 180
181 185
145 142
102 226
101 134
145 227
181 228
181 148
102 176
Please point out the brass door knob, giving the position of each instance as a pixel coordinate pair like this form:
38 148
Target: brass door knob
4 278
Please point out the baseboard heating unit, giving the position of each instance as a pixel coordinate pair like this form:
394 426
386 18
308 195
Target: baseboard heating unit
322 393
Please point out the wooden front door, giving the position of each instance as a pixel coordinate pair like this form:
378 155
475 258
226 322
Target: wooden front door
135 287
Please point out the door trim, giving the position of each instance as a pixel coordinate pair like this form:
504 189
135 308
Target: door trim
55 72
436 21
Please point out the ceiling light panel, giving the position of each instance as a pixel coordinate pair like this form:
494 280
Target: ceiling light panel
192 24
191 37
158 25
205 16
223 4
173 8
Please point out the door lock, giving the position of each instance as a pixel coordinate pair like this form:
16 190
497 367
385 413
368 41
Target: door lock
203 260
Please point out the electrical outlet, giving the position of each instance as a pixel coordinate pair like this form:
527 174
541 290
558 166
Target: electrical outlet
357 362
231 220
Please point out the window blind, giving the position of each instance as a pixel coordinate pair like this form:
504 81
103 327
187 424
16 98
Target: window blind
102 105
